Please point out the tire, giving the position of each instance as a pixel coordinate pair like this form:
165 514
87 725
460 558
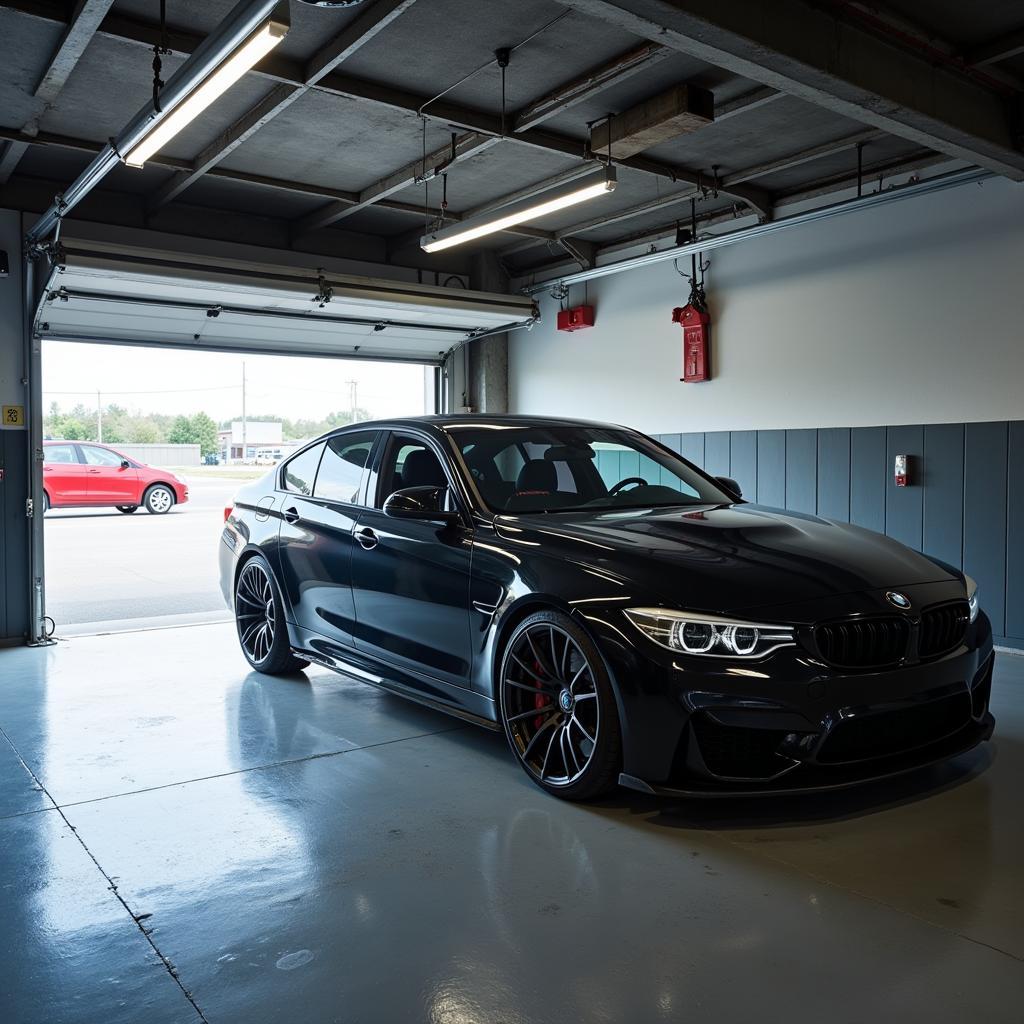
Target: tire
158 499
46 503
127 509
558 709
260 622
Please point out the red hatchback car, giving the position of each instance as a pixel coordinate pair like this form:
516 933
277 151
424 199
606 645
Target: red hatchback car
80 474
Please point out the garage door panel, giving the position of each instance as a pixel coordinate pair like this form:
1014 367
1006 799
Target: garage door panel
144 297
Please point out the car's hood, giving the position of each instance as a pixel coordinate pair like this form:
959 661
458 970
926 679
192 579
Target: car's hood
733 557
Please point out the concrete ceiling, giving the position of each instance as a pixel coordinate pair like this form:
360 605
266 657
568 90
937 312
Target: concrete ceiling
787 123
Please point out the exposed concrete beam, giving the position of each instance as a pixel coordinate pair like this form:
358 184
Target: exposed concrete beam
589 84
373 19
747 102
1011 44
805 156
283 69
12 155
44 139
673 112
466 145
81 26
807 52
278 99
370 22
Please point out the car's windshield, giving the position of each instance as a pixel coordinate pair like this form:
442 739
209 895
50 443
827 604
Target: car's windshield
554 468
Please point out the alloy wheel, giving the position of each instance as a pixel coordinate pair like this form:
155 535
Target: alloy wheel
254 611
160 500
549 699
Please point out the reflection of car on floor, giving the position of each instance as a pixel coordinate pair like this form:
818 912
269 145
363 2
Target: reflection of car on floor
81 474
620 614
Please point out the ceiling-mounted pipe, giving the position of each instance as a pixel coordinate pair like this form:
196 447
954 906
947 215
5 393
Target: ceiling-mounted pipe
899 192
242 21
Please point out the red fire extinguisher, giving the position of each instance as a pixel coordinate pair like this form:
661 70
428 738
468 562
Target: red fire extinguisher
693 317
696 325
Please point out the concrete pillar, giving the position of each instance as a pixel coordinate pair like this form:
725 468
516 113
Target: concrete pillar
486 378
14 442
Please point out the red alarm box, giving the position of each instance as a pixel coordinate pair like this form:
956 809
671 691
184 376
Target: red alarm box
696 326
575 319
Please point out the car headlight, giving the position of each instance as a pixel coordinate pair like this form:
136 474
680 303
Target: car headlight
689 633
972 596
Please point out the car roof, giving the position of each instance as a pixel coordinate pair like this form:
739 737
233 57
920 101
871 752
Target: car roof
442 422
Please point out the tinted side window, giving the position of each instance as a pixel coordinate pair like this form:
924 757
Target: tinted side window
64 453
341 468
299 473
100 456
409 463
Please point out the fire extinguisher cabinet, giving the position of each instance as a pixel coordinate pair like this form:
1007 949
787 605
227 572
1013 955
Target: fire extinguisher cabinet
696 325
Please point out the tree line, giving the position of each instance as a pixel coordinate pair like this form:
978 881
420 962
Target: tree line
121 426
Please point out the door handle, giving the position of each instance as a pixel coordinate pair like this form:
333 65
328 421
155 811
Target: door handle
291 515
367 538
92 471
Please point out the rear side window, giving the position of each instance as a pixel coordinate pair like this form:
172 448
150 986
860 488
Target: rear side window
64 453
341 468
299 473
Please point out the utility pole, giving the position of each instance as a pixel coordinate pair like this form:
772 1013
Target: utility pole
99 418
353 395
244 445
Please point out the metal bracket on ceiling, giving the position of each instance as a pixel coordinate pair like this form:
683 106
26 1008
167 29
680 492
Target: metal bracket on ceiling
59 295
559 291
584 253
214 311
326 291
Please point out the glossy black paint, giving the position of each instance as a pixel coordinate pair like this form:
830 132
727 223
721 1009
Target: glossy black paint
423 607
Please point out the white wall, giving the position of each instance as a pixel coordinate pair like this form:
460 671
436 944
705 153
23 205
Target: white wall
913 313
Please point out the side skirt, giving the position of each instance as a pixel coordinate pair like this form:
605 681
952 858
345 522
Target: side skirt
345 667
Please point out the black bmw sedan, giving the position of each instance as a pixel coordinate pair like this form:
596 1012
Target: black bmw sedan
622 616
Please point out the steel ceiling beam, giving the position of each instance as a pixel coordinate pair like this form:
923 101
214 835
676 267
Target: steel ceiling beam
589 84
240 22
465 145
562 98
1011 44
44 139
366 26
290 72
804 156
807 52
81 27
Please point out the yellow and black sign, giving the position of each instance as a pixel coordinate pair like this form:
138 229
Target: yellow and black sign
12 416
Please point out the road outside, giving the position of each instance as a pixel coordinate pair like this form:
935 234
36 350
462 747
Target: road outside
102 565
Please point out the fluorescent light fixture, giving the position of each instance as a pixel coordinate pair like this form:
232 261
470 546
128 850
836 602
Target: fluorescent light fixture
579 191
257 46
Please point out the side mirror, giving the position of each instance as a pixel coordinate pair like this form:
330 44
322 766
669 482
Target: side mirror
730 485
125 464
424 503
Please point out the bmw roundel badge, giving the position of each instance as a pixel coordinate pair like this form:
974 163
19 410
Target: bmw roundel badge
898 599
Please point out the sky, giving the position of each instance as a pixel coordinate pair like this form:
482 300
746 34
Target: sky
172 381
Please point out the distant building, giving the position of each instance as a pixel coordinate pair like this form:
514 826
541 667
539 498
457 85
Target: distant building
258 434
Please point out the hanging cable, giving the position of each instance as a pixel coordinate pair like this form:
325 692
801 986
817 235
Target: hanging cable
503 56
160 49
483 67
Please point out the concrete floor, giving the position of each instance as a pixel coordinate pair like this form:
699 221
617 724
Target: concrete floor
183 840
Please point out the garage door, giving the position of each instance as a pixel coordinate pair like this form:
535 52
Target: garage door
144 297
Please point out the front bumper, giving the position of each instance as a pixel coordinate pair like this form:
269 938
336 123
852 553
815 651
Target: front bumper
789 723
